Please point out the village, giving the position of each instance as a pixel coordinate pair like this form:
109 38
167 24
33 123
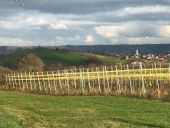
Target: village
138 58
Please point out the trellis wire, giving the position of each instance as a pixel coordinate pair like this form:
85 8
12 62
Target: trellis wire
107 80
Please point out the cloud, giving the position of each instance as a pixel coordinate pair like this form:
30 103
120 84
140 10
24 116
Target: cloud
32 19
58 26
36 20
14 41
165 31
54 22
134 29
89 39
86 6
68 7
140 40
109 31
135 32
154 9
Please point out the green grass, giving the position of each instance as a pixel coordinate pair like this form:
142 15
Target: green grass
38 111
105 59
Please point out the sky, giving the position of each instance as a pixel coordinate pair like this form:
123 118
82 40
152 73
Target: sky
84 22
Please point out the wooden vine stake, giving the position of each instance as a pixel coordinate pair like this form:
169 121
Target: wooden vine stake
157 81
130 82
88 79
98 79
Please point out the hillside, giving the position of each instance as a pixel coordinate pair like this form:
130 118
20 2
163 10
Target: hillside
52 57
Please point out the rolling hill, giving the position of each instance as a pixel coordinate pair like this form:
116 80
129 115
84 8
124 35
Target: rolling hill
53 56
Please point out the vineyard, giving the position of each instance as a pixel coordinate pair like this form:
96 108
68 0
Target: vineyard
140 80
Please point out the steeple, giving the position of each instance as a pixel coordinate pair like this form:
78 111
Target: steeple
137 52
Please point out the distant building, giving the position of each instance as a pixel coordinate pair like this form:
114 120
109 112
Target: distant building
127 58
137 55
137 52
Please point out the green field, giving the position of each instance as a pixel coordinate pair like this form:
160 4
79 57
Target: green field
105 59
52 56
38 111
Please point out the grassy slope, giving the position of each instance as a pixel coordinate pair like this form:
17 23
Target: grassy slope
47 55
103 58
28 110
52 56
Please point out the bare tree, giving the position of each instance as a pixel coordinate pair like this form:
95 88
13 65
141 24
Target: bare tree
31 63
4 71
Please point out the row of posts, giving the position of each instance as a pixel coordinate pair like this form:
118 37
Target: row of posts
140 80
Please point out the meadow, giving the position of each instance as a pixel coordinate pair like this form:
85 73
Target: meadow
23 110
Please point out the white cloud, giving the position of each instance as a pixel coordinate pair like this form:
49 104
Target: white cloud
134 29
89 39
143 10
109 31
67 39
111 25
135 32
14 41
141 40
165 31
31 19
35 19
58 26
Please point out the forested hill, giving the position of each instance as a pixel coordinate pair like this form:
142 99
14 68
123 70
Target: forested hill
121 49
118 49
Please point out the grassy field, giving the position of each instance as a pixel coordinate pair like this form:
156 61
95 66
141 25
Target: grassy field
38 111
105 59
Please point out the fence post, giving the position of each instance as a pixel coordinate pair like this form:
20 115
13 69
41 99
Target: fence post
157 81
87 70
39 83
130 82
117 80
67 80
108 85
60 84
142 78
111 78
23 84
99 86
74 75
81 80
104 84
35 85
7 84
49 84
